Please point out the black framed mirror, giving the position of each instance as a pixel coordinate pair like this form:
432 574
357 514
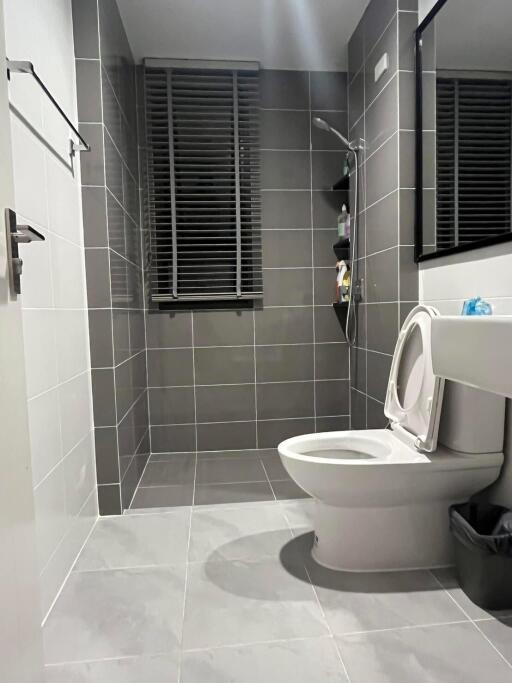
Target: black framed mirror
463 127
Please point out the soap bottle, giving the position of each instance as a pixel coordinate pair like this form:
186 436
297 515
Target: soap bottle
342 221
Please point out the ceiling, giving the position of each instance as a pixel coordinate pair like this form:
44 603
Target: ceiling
280 34
472 34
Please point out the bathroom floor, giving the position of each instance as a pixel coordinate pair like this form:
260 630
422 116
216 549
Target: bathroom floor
229 593
216 477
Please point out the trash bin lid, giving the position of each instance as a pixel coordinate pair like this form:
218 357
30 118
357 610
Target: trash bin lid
414 395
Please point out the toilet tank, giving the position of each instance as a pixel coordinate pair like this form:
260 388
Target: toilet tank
472 420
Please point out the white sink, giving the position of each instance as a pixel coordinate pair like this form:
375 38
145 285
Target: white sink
474 350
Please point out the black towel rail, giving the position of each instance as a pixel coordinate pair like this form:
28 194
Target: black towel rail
14 67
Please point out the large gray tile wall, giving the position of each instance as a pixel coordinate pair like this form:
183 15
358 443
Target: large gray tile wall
382 114
223 380
106 90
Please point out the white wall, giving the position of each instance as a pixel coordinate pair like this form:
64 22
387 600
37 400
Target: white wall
55 324
424 7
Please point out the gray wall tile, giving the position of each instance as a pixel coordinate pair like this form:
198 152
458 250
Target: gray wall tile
165 330
113 169
325 285
356 100
328 90
326 208
288 287
386 44
172 406
85 28
408 23
223 328
92 167
106 95
381 117
382 276
234 436
284 325
357 410
332 397
170 367
107 463
333 424
286 247
272 432
178 438
284 170
407 216
356 50
284 89
88 88
408 275
284 129
225 403
323 241
109 499
382 326
284 363
94 217
376 17
321 139
382 224
280 400
121 331
285 209
327 327
98 278
100 338
228 365
382 171
379 365
327 169
375 415
358 368
407 103
331 361
103 395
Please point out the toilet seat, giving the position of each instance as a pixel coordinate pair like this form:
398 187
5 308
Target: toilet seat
414 395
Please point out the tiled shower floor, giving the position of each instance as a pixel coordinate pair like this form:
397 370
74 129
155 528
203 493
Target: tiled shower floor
229 594
209 478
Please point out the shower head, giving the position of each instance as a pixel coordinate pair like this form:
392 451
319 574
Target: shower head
323 125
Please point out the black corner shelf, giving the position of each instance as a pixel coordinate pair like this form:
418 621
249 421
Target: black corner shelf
342 184
342 249
341 310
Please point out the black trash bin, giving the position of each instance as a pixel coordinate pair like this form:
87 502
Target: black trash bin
483 552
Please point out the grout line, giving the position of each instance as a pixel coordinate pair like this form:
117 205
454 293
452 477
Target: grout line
319 604
268 479
74 561
185 584
470 619
249 384
311 220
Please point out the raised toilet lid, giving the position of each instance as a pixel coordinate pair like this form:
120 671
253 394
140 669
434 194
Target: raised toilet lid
414 396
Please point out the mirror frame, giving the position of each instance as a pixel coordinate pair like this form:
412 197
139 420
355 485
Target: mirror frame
418 226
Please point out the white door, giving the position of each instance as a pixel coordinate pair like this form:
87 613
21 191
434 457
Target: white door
21 658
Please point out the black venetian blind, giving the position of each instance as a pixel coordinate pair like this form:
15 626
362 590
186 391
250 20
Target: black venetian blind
474 122
203 204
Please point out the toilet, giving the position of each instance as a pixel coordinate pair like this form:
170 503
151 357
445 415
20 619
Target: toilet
382 495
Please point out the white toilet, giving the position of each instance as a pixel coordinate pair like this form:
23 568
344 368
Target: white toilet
382 495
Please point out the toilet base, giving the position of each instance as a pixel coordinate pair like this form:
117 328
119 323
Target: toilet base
383 538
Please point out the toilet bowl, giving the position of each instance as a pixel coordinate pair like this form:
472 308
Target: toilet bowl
382 495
